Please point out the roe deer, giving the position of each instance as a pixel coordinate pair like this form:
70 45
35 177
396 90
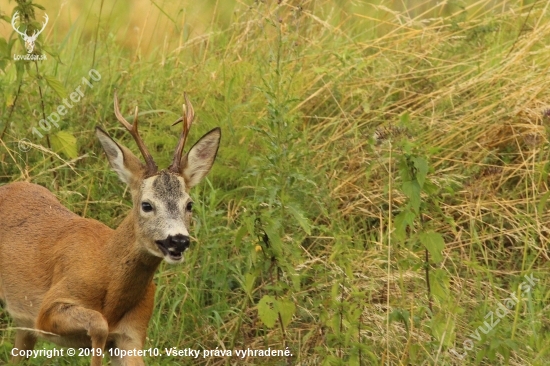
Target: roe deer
78 283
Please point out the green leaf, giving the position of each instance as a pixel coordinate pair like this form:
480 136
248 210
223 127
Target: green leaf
421 166
52 53
402 220
10 46
274 239
56 86
401 316
545 171
240 235
430 189
249 280
267 312
65 143
404 169
10 99
291 272
300 218
353 360
542 204
439 284
443 329
411 189
286 309
434 243
4 48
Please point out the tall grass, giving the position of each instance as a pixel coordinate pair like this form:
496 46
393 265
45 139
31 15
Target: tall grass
327 111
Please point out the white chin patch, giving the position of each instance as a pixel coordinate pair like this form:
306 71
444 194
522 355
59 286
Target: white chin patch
155 253
173 260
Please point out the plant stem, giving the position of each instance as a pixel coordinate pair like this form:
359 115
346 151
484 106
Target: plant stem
47 134
11 109
390 218
97 33
427 268
521 29
359 338
282 328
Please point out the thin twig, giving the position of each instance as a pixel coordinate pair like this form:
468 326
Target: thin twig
522 27
33 330
390 177
11 109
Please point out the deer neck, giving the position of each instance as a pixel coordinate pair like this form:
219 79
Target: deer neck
132 271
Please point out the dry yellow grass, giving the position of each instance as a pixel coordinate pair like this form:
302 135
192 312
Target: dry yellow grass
463 84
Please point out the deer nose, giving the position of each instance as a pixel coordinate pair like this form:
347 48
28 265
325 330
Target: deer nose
179 242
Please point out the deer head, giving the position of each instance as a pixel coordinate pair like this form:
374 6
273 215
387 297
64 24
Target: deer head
29 40
162 205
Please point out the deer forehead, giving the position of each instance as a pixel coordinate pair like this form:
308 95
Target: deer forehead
166 189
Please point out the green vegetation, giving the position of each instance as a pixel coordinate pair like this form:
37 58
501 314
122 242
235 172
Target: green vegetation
381 186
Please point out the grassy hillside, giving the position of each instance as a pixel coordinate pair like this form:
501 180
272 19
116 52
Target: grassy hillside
380 194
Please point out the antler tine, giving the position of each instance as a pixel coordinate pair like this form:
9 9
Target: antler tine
13 19
187 119
151 167
43 25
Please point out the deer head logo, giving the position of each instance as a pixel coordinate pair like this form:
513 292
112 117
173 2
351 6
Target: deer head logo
29 40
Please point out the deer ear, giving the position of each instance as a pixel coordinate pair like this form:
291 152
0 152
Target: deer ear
122 160
199 160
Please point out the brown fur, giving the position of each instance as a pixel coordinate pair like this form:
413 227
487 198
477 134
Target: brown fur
75 281
47 280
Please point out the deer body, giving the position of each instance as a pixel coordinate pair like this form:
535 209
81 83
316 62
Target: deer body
85 267
77 282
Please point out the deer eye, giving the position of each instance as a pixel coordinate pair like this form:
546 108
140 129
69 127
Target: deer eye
189 207
146 207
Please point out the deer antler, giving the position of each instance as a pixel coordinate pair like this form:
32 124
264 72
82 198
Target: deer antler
13 19
187 119
151 167
35 34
